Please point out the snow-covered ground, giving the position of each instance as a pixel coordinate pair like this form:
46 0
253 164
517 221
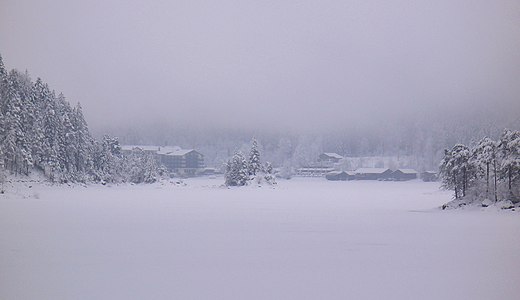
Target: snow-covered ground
305 239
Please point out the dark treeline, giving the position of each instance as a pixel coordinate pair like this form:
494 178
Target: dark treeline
40 130
485 170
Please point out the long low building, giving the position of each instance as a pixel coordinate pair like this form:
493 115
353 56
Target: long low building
429 176
340 175
372 173
180 162
313 171
404 174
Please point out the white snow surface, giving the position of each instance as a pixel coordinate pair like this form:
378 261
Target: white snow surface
304 239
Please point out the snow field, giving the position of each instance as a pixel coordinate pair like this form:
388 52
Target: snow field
304 239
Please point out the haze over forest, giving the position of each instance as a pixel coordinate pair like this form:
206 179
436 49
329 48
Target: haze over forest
353 77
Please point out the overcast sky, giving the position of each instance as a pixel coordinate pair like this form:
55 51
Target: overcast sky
287 64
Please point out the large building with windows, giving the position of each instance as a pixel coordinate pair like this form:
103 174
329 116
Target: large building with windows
180 162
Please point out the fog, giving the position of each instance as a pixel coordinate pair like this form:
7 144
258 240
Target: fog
268 65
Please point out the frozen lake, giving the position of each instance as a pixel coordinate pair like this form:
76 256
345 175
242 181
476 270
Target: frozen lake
305 239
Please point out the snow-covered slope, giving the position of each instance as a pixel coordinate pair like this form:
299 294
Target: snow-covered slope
304 239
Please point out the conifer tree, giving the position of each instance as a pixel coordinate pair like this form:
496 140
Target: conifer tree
509 152
3 71
484 158
447 173
456 170
237 171
15 146
254 159
40 130
269 174
83 143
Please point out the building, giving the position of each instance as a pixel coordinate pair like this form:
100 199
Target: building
313 171
404 174
330 157
180 162
428 176
207 171
372 174
127 149
340 175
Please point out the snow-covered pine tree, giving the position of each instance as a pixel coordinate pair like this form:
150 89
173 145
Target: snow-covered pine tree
140 167
254 165
3 71
151 169
483 157
133 171
509 154
84 144
53 133
24 88
40 94
237 171
456 170
10 124
2 178
447 174
269 173
463 169
16 147
107 160
67 145
3 132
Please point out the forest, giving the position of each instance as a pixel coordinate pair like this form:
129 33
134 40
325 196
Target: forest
40 130
486 171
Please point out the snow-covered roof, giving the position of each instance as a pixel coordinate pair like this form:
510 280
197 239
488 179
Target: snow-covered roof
316 169
168 150
144 148
339 172
334 155
174 151
407 171
334 173
370 170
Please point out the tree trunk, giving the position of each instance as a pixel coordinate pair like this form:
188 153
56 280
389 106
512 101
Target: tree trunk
510 175
464 179
455 186
487 180
495 175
